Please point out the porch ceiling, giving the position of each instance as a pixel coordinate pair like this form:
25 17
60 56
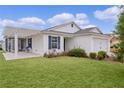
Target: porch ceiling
21 32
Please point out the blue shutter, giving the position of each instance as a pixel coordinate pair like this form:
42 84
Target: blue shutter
49 42
59 42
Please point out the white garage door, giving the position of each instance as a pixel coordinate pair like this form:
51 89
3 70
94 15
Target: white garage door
100 44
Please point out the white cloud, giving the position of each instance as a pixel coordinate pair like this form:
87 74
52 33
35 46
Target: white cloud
88 26
22 22
81 19
7 22
61 18
31 20
81 16
108 14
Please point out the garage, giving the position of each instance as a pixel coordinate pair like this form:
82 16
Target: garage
100 44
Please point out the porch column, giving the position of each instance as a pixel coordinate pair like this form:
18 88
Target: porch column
16 44
109 53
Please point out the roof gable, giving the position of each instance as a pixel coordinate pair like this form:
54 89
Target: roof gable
68 27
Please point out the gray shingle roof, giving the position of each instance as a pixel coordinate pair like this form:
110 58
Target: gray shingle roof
88 30
61 25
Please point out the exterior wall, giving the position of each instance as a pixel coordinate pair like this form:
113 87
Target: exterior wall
88 43
46 50
45 44
101 43
83 42
68 28
40 44
37 44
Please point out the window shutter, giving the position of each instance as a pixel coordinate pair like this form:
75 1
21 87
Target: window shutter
59 42
49 44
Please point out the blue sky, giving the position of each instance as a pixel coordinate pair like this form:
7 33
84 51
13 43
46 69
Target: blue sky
41 17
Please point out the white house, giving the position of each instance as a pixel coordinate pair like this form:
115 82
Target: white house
59 38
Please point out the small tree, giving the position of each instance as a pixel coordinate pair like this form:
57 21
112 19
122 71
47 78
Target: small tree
120 32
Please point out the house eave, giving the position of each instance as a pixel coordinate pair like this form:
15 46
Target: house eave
57 33
22 32
92 34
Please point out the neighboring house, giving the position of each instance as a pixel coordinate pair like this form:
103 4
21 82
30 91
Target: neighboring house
114 41
56 39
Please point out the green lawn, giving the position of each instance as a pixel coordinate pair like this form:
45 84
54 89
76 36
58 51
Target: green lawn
60 72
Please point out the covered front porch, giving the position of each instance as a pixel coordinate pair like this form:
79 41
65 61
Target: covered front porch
18 39
19 45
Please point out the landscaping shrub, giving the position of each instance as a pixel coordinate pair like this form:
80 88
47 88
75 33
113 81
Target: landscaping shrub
92 55
120 57
54 54
1 48
50 55
77 52
101 55
64 54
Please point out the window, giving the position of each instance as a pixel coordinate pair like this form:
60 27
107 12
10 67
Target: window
54 42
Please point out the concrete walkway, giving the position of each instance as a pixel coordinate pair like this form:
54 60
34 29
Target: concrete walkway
20 55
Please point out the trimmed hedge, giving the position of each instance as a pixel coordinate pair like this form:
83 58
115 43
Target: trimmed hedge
77 52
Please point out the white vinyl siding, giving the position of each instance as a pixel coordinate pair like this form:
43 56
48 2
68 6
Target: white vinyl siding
100 44
83 42
70 28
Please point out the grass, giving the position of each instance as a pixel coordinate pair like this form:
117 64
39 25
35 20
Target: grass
60 72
